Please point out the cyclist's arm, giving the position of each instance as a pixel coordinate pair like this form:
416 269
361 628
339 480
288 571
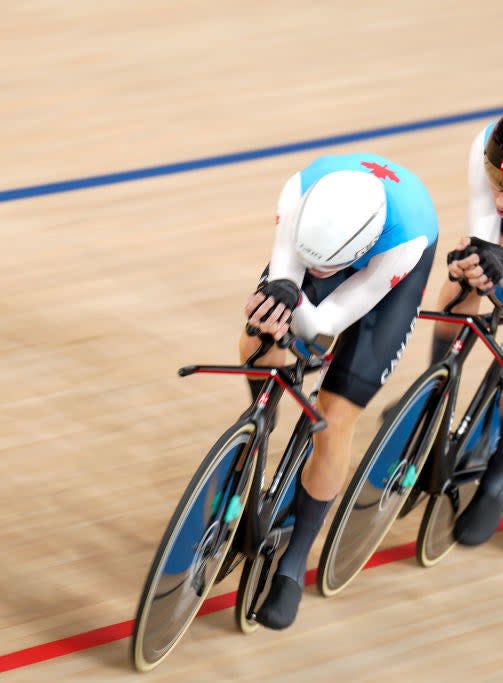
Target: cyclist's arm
483 221
264 309
359 293
285 262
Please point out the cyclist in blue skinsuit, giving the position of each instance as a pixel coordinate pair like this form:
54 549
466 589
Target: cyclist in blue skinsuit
479 258
355 241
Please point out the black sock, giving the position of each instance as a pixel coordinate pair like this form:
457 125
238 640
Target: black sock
282 602
309 517
439 347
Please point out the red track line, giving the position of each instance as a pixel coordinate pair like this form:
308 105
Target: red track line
124 629
58 648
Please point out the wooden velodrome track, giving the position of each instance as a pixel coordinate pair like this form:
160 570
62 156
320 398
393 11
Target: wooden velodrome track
106 291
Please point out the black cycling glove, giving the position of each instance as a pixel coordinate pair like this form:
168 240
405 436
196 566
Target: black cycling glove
459 254
282 291
490 257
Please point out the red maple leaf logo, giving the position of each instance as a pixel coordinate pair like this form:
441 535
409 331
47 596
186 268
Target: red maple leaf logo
382 172
396 279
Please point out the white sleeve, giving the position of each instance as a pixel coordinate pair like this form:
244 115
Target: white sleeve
359 293
483 220
285 262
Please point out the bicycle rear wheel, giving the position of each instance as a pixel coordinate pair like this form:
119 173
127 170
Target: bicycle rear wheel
193 547
435 538
382 481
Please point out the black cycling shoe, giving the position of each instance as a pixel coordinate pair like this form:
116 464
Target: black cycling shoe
481 518
281 605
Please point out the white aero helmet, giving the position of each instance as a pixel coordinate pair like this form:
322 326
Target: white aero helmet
339 219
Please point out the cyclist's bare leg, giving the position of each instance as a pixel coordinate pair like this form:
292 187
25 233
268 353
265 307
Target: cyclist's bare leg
325 473
323 477
248 345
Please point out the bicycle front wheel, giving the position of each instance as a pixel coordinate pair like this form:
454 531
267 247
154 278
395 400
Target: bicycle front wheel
193 547
382 481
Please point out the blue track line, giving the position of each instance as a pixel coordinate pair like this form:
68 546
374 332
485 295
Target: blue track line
240 157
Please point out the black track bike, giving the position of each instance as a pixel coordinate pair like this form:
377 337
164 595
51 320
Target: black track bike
226 513
419 453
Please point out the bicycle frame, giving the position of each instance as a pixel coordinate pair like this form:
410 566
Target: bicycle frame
440 467
277 381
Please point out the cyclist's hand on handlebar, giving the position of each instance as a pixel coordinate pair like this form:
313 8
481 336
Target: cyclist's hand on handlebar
270 308
475 262
490 259
460 259
266 316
